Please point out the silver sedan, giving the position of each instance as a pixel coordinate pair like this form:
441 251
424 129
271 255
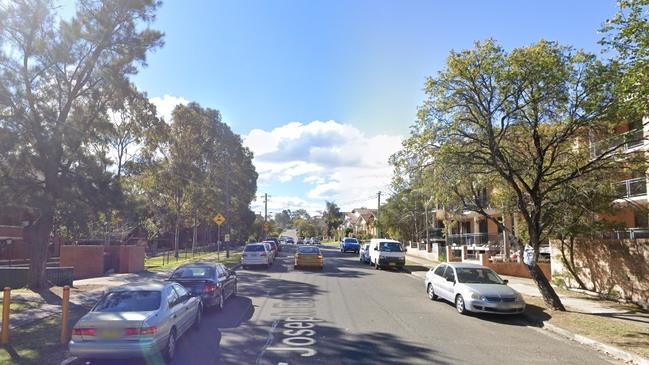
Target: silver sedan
473 288
136 321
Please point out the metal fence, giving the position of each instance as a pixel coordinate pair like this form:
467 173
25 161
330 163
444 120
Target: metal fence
469 239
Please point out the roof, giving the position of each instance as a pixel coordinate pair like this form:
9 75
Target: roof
464 265
385 240
156 285
366 213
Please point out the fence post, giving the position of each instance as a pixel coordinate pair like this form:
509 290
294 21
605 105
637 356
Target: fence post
65 307
6 303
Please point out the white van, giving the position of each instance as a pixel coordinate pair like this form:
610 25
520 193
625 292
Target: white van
386 253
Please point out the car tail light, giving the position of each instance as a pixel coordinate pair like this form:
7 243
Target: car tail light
148 330
319 256
131 332
209 288
82 331
140 331
263 254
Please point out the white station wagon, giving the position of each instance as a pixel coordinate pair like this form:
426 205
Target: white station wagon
473 288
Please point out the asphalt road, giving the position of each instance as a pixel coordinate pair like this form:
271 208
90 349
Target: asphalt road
353 314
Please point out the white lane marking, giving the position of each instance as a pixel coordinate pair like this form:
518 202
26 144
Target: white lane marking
269 340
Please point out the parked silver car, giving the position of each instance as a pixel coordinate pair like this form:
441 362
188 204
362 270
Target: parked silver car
256 254
136 321
473 288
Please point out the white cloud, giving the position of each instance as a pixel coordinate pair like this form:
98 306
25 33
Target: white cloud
338 161
278 203
166 104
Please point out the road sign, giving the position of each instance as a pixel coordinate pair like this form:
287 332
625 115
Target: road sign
266 227
226 237
219 219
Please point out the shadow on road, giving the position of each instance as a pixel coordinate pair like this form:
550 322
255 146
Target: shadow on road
332 345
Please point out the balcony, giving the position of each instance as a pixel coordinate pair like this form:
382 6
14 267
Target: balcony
629 140
632 188
629 233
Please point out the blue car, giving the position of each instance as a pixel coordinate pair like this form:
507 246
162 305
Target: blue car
349 244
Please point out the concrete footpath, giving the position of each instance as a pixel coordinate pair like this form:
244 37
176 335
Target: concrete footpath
84 294
572 303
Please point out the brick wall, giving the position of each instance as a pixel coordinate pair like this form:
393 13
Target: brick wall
618 267
87 261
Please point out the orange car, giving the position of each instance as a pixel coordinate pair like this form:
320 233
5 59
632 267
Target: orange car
309 256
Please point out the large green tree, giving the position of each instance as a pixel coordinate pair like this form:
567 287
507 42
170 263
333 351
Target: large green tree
57 79
194 168
332 217
627 35
515 124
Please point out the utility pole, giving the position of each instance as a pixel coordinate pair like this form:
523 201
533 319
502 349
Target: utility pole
265 207
378 216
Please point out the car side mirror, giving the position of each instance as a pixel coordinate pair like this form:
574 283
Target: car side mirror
506 281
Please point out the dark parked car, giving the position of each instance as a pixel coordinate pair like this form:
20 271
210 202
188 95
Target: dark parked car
213 283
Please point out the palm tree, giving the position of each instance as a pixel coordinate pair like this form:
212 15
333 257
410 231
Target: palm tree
332 216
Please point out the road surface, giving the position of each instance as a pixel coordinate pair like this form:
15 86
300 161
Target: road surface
353 314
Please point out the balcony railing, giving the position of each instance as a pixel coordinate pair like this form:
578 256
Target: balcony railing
633 187
475 239
629 233
628 140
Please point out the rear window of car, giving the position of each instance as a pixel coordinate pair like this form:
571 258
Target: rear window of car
254 248
308 250
129 301
193 272
351 240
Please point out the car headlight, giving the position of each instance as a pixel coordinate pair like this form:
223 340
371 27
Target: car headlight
519 297
477 296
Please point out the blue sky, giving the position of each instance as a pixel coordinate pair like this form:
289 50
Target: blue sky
274 67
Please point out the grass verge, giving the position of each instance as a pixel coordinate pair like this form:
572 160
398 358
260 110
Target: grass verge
38 343
622 332
160 262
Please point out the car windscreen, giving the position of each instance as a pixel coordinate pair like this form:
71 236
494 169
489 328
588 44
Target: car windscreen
308 250
254 248
129 301
477 276
351 240
390 246
193 272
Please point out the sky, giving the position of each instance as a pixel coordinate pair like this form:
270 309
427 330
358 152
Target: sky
323 92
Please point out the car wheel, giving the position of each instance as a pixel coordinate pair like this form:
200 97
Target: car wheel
459 304
170 349
431 292
199 318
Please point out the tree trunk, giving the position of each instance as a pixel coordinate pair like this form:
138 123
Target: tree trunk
38 234
177 235
550 297
570 263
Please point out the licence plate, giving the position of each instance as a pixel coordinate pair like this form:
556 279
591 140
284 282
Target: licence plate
392 263
110 333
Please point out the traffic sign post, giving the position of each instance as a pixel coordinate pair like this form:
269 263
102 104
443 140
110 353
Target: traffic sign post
218 219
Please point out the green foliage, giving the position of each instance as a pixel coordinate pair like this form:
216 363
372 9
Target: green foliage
627 34
58 80
332 217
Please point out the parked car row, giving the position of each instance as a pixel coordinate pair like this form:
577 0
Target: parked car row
470 287
259 254
141 320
